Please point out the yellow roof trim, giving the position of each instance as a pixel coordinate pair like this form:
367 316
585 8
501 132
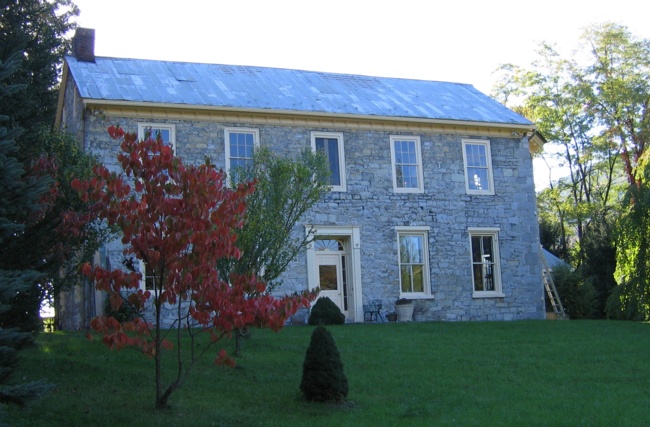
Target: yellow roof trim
294 118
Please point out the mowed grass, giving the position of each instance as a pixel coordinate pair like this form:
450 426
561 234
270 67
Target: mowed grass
528 373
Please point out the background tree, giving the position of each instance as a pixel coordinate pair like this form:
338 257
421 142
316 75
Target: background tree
592 108
631 298
179 221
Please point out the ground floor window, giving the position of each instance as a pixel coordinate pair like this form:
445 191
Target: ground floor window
486 275
413 258
148 279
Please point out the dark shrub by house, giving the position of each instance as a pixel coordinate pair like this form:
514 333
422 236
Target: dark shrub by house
323 378
577 294
325 312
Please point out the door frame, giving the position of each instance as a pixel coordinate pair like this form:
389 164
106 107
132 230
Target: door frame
353 251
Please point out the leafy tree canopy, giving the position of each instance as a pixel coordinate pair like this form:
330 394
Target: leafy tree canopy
285 189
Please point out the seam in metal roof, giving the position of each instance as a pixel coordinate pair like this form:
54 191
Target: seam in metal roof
247 87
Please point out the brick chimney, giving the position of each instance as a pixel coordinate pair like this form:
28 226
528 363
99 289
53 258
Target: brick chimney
83 44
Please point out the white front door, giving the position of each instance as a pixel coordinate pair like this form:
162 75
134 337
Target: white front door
334 265
330 278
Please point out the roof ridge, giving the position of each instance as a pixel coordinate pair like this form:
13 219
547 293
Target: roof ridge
264 67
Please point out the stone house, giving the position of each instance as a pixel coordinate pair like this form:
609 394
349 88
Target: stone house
432 195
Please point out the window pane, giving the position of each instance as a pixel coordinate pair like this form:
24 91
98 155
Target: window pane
476 248
153 132
477 167
418 278
411 249
407 176
483 263
241 144
478 277
406 164
476 155
478 179
405 272
328 245
165 134
330 146
487 248
405 152
148 278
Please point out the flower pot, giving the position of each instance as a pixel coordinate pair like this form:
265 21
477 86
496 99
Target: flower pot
404 312
392 317
300 317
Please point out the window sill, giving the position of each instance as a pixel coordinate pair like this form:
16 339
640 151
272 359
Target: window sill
408 190
488 294
415 297
480 193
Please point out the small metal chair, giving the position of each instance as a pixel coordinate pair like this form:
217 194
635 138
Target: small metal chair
373 310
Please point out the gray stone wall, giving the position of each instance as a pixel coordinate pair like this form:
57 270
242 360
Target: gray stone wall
371 204
73 112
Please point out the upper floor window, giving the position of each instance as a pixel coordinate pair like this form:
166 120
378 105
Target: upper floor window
478 166
486 272
413 261
331 145
166 131
240 144
407 164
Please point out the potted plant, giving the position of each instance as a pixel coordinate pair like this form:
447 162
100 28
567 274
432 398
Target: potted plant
404 308
392 316
301 315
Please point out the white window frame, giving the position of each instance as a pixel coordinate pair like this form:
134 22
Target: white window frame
341 153
492 232
226 140
426 273
143 127
143 271
484 143
418 164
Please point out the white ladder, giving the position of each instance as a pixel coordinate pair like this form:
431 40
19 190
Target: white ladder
551 290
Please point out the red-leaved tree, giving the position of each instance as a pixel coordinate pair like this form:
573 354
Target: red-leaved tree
179 220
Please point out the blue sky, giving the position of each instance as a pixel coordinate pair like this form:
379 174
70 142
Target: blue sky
459 41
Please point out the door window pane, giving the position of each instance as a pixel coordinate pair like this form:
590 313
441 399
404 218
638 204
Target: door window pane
327 275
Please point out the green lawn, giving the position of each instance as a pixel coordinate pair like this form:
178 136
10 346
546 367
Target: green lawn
555 373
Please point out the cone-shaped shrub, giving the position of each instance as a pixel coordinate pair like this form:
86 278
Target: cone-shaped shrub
325 312
323 378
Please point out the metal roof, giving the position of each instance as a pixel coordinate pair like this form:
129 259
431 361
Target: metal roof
272 89
552 261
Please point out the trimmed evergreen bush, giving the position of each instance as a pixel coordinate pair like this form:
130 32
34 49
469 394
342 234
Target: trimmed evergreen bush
126 313
323 379
325 312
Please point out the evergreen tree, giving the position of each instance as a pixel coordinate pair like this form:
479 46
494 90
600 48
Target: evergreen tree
36 29
325 312
33 41
323 378
18 197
